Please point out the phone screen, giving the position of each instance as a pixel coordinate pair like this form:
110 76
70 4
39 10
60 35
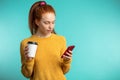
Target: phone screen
69 48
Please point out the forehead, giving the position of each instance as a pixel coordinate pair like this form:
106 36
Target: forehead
48 17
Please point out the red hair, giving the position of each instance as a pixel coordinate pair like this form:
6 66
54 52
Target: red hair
36 12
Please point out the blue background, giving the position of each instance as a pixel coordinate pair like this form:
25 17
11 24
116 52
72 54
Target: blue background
93 26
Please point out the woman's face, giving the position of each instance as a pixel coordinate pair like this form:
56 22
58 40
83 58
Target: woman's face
46 24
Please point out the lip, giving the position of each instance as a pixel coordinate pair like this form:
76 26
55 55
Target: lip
49 30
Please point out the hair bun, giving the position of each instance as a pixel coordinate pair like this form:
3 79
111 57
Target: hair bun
42 3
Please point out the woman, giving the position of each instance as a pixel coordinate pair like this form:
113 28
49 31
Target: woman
47 63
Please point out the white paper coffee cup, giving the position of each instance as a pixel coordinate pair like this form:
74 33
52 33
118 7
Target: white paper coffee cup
32 48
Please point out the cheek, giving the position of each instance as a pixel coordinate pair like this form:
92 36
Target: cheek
43 26
53 25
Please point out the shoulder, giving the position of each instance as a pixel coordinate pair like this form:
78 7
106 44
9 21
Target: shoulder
59 37
25 40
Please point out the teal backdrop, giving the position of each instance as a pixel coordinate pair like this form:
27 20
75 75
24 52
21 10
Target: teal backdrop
93 26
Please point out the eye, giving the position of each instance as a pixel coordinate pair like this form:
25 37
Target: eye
53 22
46 22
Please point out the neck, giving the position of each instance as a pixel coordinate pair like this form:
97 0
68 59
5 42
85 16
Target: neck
42 35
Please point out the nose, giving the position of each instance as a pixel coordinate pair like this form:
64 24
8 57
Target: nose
50 26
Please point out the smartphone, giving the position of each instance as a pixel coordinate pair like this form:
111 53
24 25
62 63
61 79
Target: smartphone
69 48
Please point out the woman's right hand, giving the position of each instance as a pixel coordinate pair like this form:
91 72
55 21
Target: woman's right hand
26 54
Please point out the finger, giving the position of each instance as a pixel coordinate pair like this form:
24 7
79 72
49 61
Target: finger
70 51
26 48
26 56
66 58
26 52
68 54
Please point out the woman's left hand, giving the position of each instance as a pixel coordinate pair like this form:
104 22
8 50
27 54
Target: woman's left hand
68 56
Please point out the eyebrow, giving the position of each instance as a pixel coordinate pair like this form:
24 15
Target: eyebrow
49 21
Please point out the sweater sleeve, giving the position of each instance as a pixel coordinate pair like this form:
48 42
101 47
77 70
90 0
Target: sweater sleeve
65 65
27 66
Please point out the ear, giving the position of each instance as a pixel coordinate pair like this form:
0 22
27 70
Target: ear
37 22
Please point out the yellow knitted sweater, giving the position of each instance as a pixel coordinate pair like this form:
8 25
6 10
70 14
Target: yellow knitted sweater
47 64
